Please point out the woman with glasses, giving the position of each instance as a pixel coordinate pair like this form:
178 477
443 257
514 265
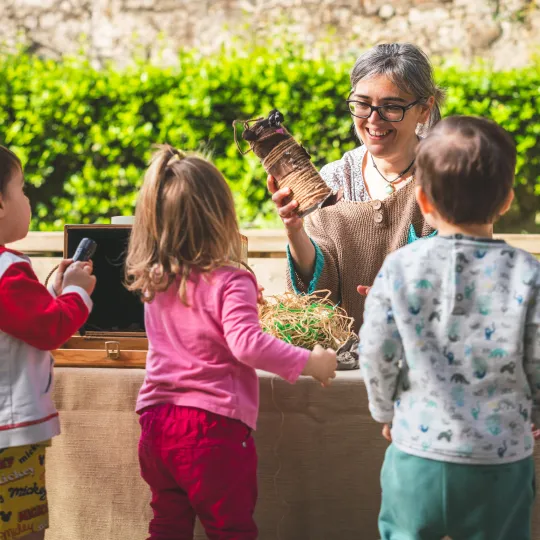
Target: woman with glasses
393 100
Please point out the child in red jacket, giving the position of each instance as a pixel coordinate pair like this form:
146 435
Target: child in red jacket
33 321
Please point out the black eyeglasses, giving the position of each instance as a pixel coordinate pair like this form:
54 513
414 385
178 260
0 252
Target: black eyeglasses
390 113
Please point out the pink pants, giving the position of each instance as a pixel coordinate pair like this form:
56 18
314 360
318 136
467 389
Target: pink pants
198 464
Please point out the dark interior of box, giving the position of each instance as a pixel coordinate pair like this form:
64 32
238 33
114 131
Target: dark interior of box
115 308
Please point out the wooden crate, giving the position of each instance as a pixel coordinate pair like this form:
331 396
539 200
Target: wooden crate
114 335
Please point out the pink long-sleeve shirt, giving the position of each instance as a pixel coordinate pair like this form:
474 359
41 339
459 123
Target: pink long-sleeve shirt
205 355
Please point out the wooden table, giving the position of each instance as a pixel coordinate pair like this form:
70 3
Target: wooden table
320 455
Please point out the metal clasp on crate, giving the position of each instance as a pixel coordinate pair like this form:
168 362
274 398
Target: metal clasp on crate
113 349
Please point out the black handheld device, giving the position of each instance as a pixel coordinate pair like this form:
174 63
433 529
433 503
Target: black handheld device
85 250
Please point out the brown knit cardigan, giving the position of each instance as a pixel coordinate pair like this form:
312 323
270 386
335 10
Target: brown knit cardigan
352 240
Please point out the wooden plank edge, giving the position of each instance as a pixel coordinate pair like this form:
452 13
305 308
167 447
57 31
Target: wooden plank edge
98 358
260 242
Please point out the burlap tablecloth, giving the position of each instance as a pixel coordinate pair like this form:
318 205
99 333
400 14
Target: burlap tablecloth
319 460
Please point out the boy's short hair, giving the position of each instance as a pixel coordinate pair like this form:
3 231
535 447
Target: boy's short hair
466 167
9 164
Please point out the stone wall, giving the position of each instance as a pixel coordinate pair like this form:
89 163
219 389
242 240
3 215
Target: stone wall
505 31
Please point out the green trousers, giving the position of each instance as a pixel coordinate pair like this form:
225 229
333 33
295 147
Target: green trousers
424 499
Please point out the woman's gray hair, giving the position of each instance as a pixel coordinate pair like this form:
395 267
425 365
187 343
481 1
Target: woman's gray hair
408 67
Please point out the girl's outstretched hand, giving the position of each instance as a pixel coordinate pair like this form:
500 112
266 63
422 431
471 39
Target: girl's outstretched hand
321 365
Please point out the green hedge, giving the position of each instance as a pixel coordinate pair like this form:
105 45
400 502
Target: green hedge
85 135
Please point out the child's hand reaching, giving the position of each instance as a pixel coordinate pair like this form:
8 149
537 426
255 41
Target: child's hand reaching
79 274
386 432
535 432
59 276
321 365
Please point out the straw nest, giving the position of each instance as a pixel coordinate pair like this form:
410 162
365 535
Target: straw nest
306 320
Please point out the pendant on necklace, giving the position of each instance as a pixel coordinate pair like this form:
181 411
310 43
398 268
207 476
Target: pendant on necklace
389 189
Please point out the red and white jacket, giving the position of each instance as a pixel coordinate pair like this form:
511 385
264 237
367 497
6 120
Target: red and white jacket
32 323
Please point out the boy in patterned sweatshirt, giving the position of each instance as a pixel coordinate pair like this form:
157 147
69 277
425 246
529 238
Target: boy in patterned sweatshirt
33 321
450 351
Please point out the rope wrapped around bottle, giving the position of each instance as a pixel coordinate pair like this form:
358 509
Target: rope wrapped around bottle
287 161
